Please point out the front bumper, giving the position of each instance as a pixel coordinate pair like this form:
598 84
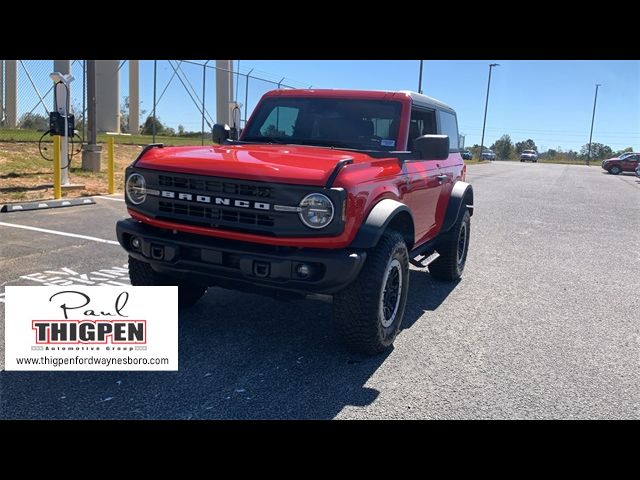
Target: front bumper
232 264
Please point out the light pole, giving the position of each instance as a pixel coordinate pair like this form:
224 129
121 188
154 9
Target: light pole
593 117
420 78
204 80
486 104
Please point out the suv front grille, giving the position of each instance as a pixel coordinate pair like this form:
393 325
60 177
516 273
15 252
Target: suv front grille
215 214
215 186
220 209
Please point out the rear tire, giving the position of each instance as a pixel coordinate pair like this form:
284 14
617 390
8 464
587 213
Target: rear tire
453 250
141 273
369 312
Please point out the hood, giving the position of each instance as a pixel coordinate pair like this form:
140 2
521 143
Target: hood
306 165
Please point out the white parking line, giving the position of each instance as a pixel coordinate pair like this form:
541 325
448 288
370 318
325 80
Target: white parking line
110 198
57 232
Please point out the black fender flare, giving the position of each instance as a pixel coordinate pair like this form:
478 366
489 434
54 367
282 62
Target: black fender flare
379 218
461 198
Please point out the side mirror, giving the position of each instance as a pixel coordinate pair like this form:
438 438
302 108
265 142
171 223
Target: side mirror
432 147
220 133
234 134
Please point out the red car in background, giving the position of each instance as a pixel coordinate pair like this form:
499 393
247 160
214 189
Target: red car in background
627 162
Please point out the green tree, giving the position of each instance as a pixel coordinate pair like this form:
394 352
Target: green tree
124 115
503 147
526 145
34 121
624 150
598 151
147 128
475 151
181 130
272 131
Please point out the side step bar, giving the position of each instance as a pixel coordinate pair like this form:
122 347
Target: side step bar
423 261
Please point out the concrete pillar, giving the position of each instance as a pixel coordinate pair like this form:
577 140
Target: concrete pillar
11 93
1 93
91 150
107 96
224 90
134 97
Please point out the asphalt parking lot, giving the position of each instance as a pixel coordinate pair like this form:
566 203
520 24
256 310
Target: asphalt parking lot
544 323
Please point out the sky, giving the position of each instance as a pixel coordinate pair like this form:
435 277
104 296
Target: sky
550 102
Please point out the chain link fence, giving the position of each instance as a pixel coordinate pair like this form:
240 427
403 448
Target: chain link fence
184 110
26 98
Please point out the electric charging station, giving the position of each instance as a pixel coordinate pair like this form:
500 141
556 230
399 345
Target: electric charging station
61 121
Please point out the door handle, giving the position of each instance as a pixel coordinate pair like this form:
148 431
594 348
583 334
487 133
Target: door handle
441 178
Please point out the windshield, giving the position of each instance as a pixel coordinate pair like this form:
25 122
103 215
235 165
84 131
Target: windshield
625 155
529 151
332 122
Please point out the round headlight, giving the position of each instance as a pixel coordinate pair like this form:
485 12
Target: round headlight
136 188
317 210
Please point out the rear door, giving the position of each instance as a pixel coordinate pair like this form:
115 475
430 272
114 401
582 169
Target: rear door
630 163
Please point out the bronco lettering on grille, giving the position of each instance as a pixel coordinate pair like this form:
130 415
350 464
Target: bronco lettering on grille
215 200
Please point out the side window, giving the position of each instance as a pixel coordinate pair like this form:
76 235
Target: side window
280 122
423 122
449 126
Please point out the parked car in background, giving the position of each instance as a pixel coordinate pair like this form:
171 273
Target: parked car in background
627 162
638 171
529 156
488 155
466 154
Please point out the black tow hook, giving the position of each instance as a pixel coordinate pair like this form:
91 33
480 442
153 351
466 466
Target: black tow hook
261 269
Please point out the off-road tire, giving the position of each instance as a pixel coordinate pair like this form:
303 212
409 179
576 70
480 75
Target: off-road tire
359 309
141 273
450 264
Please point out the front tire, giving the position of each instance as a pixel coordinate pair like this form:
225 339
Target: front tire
453 250
141 273
369 312
615 170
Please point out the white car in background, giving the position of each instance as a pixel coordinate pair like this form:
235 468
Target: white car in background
529 156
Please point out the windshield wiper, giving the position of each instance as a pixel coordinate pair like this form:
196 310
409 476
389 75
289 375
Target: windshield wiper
265 140
326 143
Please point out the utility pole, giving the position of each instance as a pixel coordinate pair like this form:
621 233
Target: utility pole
155 78
204 91
593 117
420 78
486 104
91 151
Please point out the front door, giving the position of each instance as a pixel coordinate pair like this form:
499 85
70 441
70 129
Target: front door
424 184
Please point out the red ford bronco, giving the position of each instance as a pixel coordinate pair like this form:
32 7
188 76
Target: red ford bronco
331 192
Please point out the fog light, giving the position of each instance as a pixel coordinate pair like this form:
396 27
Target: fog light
303 270
135 243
